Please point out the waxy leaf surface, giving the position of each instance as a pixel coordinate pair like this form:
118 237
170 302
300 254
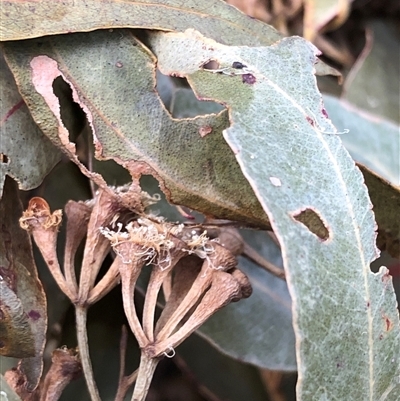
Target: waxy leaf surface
113 77
27 155
224 23
374 143
344 316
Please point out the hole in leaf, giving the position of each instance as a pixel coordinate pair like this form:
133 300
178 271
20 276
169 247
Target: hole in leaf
211 65
72 115
313 222
4 158
167 85
75 120
180 100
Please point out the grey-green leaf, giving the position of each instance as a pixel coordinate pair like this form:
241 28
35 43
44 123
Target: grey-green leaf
374 143
372 140
27 155
130 124
373 84
215 18
345 317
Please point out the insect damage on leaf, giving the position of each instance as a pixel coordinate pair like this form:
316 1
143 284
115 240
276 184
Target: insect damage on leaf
248 79
313 221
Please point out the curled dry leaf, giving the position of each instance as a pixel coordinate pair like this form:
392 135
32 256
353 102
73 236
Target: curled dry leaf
23 314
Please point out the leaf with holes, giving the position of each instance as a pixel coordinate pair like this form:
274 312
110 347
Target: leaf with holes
129 122
345 317
19 131
222 22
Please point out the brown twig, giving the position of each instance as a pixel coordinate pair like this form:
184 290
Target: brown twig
124 382
191 378
254 256
83 344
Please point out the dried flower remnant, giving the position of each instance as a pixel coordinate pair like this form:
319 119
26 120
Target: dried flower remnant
202 278
198 275
85 219
65 367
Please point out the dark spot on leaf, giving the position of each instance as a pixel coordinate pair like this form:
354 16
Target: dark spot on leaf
381 336
313 222
51 262
34 315
248 79
310 120
2 345
238 65
4 158
324 113
11 111
368 304
388 323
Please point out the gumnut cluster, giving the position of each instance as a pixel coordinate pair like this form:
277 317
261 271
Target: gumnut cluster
197 274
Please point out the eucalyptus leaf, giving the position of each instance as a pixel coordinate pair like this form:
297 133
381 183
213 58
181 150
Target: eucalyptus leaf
129 122
30 19
373 83
374 143
372 140
222 22
344 316
185 104
23 302
19 131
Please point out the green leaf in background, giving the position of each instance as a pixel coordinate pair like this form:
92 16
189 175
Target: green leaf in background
27 155
374 143
184 104
372 140
257 330
373 84
130 124
215 371
344 316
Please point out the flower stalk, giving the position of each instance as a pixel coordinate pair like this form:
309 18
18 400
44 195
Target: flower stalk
198 274
204 280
